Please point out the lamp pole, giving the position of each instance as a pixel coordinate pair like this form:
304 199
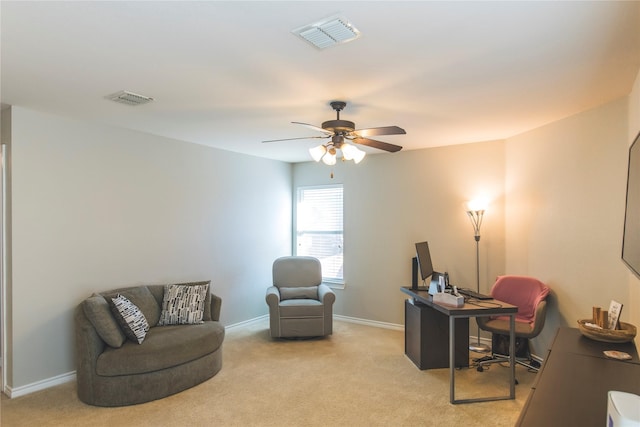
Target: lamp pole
476 220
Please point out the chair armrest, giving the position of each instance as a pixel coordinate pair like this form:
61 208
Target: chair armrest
326 294
273 296
216 306
88 346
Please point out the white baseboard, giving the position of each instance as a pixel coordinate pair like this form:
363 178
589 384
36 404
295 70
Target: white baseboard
366 322
373 323
247 322
41 385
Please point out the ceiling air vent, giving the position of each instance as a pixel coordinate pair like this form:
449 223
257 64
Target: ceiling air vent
329 32
129 98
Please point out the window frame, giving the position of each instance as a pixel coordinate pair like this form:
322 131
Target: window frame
334 282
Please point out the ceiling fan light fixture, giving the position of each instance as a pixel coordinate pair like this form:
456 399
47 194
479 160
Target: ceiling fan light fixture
341 131
358 156
329 159
317 152
348 151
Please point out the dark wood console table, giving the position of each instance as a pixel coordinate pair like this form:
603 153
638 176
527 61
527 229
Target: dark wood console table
571 387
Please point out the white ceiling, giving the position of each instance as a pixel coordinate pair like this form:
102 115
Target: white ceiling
231 74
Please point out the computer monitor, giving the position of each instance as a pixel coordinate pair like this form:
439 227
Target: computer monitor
424 260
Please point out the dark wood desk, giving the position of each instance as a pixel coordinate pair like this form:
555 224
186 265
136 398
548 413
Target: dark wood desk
426 337
478 309
571 387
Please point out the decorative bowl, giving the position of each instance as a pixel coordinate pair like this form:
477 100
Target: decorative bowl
626 333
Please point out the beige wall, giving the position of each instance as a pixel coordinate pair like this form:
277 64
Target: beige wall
565 196
96 207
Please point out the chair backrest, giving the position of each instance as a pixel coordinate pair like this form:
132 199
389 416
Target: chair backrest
297 271
522 291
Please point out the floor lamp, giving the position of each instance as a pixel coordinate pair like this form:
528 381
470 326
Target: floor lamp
475 215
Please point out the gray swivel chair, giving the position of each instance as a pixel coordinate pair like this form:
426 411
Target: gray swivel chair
300 305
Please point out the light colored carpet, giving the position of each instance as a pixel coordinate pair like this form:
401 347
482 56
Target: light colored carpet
359 376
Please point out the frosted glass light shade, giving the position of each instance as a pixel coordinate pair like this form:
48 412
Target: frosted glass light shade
317 152
358 155
329 159
348 151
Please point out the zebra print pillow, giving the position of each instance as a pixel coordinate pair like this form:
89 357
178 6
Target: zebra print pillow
130 318
183 304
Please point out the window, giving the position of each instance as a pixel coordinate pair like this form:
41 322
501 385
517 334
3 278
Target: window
319 228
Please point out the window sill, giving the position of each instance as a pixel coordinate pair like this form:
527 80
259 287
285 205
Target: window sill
335 285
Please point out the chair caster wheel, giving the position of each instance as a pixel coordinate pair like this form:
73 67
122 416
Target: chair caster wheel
480 369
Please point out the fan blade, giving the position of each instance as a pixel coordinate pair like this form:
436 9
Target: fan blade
385 130
377 144
291 139
313 127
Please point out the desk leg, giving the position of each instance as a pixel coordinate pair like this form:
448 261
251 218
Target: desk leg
512 364
512 355
452 359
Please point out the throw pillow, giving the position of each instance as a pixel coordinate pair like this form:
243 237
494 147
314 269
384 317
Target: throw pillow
131 320
207 303
99 314
142 297
183 304
305 292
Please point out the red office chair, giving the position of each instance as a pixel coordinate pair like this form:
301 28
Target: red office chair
529 295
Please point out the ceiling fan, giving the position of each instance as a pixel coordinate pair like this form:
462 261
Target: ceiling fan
340 133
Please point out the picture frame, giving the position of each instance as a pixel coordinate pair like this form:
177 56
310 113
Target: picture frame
614 314
631 234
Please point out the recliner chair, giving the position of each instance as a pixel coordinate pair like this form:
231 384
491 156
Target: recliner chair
300 305
529 295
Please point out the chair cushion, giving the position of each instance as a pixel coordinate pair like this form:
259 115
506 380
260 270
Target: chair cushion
501 324
301 308
307 292
99 314
293 271
164 347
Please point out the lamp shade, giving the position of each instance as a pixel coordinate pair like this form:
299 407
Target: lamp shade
317 152
329 159
358 155
479 204
348 151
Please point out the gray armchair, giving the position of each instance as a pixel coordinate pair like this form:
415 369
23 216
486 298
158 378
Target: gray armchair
300 305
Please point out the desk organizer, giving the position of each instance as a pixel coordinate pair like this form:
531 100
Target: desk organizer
626 333
448 299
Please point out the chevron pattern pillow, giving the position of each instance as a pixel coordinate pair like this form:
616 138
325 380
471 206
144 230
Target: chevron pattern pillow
130 318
